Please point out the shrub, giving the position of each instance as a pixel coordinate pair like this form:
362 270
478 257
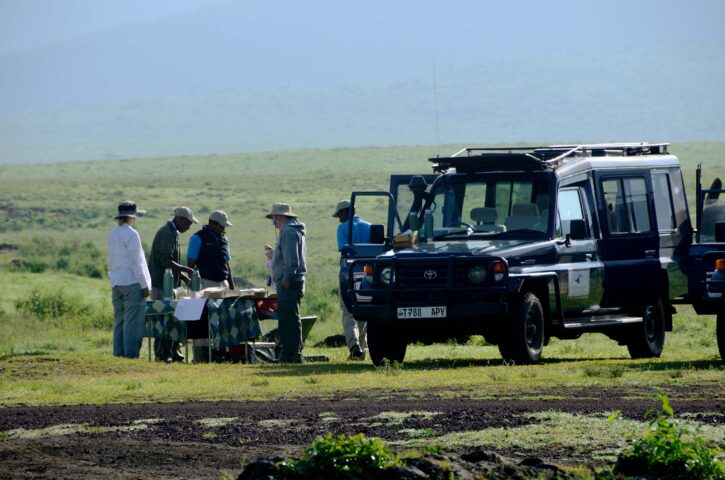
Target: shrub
73 256
342 457
669 450
58 307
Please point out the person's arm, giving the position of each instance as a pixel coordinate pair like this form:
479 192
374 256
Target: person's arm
291 256
230 278
192 252
139 266
340 236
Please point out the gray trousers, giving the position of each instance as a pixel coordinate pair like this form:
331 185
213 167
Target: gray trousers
290 325
129 319
356 333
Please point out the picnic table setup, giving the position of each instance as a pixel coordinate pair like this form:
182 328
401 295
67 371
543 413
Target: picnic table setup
227 318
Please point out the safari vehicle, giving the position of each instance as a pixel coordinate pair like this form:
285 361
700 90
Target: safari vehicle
706 268
522 244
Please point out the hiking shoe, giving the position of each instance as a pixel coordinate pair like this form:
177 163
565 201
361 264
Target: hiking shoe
356 353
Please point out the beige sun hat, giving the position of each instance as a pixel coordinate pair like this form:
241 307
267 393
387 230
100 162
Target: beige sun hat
129 209
341 205
281 209
220 217
186 213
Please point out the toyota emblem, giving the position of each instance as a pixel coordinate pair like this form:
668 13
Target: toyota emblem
430 274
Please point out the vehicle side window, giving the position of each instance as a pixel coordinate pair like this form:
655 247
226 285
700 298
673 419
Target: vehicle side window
570 208
663 201
626 203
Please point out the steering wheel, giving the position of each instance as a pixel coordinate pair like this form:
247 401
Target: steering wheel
467 225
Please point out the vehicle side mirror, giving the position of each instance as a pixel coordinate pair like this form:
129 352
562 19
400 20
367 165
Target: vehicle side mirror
577 229
720 232
377 234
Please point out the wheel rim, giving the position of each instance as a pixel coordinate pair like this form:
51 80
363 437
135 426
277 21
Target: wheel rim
650 321
533 331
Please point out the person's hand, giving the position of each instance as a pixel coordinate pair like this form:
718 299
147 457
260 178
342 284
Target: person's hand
285 283
145 292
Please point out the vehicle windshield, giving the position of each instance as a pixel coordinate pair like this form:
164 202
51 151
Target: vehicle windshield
491 208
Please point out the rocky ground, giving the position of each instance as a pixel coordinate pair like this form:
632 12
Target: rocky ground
208 439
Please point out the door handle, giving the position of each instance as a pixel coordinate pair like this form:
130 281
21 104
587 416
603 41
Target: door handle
650 253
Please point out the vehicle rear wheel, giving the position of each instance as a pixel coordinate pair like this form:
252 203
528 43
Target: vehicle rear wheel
721 335
522 338
385 343
647 339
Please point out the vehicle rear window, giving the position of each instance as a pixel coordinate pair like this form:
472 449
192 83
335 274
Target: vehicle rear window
626 203
663 201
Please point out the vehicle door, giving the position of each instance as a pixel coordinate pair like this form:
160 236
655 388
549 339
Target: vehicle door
379 210
630 243
409 193
579 268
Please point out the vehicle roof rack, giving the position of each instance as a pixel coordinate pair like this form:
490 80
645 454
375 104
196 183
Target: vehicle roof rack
473 159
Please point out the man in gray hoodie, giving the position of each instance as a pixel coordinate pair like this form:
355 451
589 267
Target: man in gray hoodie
288 273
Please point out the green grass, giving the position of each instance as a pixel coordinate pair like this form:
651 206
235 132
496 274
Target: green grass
58 216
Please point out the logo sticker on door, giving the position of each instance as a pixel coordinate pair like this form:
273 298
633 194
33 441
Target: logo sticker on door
578 283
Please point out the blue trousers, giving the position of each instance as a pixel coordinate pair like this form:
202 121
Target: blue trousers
129 312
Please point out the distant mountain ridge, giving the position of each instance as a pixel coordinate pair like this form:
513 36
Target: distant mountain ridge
273 75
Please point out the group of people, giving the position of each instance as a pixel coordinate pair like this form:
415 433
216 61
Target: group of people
133 280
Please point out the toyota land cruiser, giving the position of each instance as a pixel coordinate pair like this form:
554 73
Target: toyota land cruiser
523 244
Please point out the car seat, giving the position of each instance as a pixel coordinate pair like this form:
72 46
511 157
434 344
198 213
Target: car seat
486 218
524 216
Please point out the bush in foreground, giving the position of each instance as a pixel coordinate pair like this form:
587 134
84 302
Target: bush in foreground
343 457
669 450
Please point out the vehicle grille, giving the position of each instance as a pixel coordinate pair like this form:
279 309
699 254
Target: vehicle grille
413 274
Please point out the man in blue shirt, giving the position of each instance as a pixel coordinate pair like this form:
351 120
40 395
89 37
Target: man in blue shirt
209 253
355 332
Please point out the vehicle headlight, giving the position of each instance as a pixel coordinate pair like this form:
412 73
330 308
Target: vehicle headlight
477 274
385 275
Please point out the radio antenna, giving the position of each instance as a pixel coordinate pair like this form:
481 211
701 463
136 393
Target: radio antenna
435 101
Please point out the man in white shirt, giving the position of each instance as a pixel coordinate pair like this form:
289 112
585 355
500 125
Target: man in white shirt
130 282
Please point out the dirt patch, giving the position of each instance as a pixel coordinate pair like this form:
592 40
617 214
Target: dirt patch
205 439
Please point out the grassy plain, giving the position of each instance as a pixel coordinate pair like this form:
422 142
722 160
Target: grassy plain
63 211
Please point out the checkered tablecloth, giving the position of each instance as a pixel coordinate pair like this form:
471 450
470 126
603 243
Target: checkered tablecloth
232 321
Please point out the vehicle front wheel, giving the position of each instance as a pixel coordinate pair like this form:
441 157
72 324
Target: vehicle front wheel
721 335
647 339
522 338
385 344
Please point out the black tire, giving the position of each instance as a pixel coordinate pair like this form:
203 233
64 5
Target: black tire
385 344
647 339
522 339
721 335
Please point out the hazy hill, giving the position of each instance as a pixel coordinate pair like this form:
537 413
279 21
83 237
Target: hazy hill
259 75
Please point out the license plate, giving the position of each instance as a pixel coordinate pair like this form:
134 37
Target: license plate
421 312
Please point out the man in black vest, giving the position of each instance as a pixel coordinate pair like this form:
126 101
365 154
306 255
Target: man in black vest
209 252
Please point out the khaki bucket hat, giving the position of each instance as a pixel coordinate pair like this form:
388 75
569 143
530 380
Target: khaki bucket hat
341 205
281 209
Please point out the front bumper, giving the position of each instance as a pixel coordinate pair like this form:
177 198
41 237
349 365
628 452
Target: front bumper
457 313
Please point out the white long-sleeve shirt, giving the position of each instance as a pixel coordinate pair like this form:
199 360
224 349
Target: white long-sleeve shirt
126 258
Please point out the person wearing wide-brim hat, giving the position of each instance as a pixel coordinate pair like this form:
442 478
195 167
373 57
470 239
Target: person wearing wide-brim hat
130 282
355 332
288 273
166 254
